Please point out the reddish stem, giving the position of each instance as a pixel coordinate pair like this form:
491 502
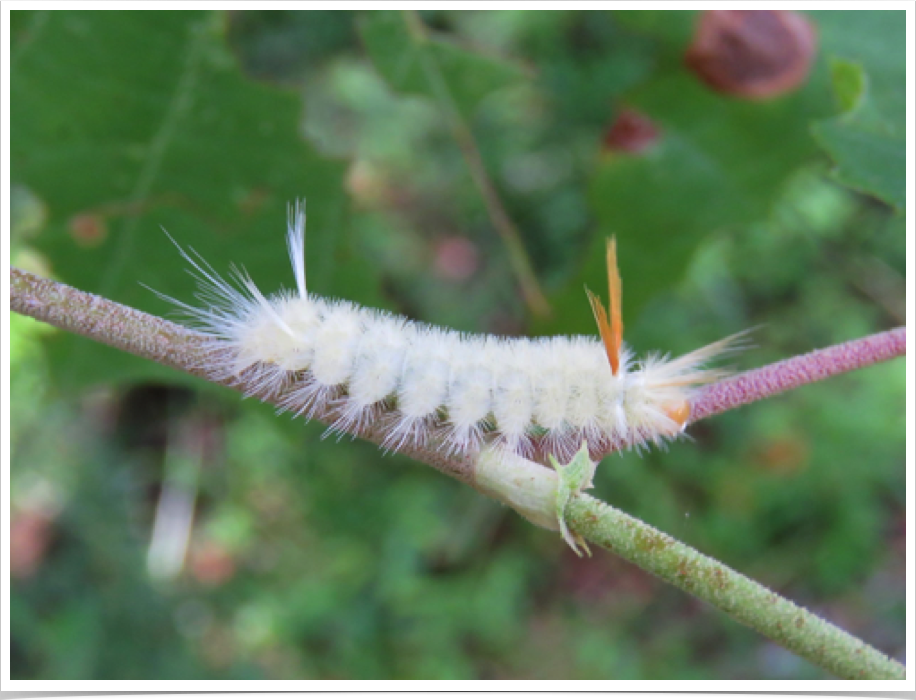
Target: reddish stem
796 371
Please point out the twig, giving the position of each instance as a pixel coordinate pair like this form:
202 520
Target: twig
168 344
751 604
797 371
518 256
746 601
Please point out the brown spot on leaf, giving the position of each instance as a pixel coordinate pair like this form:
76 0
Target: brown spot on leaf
631 132
753 54
88 229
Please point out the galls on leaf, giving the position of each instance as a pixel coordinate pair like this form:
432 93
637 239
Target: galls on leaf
752 54
632 132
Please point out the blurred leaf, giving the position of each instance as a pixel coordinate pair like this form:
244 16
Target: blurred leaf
675 27
28 214
871 163
399 50
718 162
286 44
849 83
123 122
868 141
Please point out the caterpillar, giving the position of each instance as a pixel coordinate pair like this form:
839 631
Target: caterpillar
431 385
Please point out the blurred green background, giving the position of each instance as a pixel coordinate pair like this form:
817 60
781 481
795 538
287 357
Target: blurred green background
162 528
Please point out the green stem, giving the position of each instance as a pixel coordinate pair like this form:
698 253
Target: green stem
794 628
526 486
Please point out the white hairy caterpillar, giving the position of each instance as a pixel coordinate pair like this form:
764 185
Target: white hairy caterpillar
429 385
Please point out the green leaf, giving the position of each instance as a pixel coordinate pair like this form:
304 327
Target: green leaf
125 122
718 162
675 27
868 141
411 61
573 479
849 82
867 161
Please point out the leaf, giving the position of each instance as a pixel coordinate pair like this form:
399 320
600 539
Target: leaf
125 122
868 141
572 479
849 82
410 62
718 162
866 161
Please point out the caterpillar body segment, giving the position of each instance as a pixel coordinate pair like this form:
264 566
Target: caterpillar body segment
428 385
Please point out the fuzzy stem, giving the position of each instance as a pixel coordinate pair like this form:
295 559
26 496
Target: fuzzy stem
795 628
168 344
797 371
175 346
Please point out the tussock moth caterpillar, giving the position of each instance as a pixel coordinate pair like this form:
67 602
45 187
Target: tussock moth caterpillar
429 385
